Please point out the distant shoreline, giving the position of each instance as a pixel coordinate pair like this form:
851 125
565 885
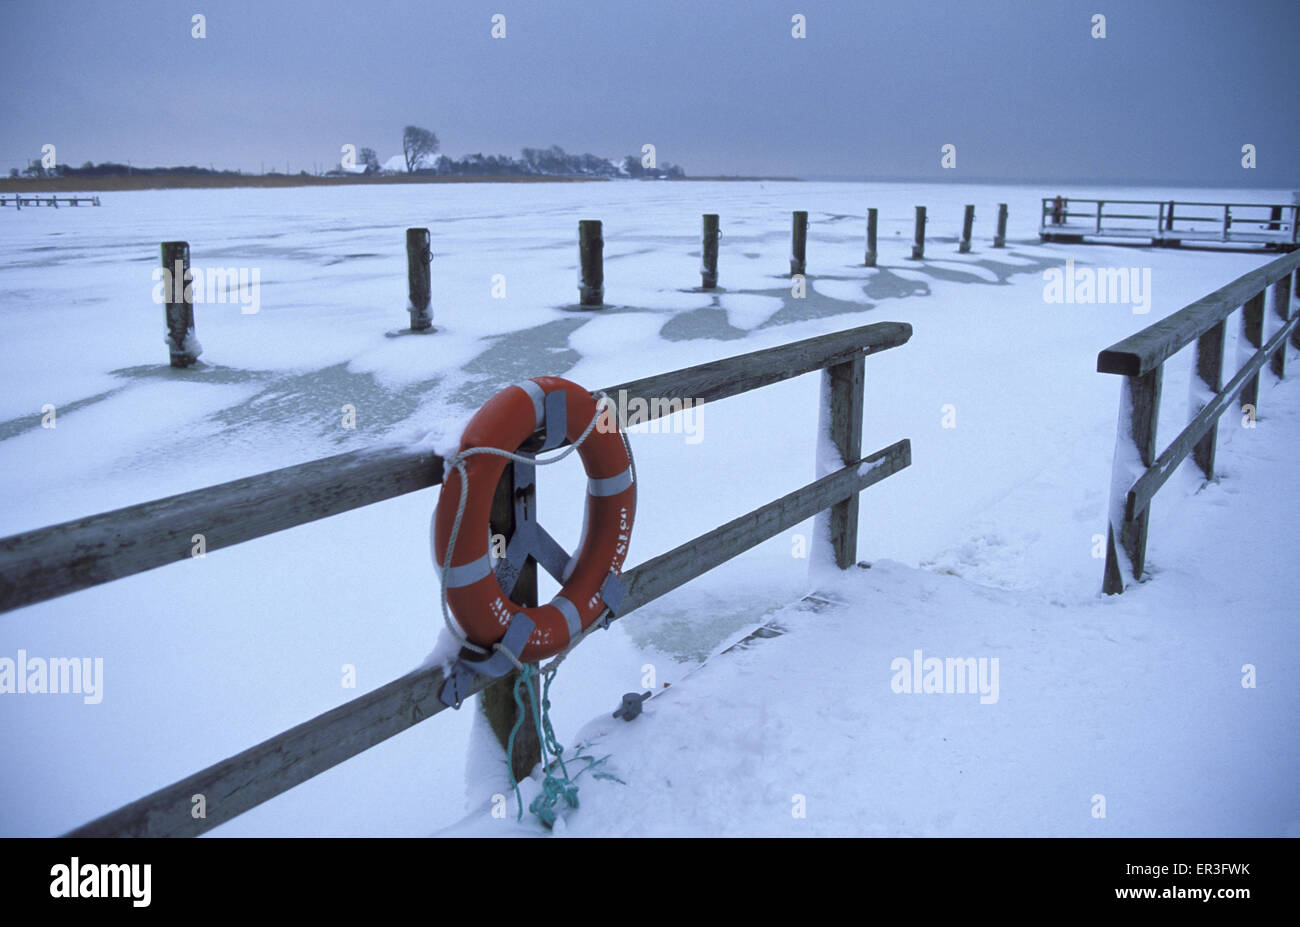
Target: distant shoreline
227 181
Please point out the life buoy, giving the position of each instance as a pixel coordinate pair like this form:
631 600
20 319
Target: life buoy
475 597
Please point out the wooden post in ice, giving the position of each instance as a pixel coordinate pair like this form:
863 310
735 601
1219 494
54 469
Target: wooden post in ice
498 700
798 242
709 252
181 342
841 422
418 283
918 241
967 222
1139 410
1000 237
591 247
870 259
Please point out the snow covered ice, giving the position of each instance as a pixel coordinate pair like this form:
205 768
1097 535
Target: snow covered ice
983 548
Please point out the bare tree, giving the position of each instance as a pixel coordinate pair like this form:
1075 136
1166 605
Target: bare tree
370 160
417 145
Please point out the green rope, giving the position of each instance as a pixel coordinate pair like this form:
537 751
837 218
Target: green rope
554 787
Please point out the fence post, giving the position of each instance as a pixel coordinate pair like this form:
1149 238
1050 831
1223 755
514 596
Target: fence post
870 259
1139 410
798 242
968 220
1169 217
709 252
1295 292
918 240
1274 218
1252 329
418 285
1209 368
842 404
497 701
591 249
1282 308
1100 203
1000 237
181 343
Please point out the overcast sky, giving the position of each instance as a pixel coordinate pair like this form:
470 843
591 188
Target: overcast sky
719 86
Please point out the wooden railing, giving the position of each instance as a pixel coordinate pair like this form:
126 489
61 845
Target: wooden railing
49 562
1169 222
18 200
1138 472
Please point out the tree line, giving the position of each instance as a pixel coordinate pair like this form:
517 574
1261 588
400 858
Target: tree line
419 147
420 156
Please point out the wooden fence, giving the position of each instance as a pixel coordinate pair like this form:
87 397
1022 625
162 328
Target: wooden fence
1169 222
19 201
54 561
1140 360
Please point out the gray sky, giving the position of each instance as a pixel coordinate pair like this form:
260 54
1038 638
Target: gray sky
719 86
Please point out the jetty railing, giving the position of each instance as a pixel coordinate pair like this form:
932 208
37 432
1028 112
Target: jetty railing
1169 222
1138 472
19 200
49 562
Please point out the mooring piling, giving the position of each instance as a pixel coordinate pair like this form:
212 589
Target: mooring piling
179 309
918 240
591 279
798 242
967 224
709 252
418 279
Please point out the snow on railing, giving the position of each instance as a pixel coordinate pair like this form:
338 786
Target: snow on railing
1138 473
54 561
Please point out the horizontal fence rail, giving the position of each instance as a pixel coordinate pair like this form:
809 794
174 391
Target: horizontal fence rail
274 766
1170 222
49 562
1139 471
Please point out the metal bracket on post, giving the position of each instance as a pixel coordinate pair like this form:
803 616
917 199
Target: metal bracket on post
612 592
529 537
469 664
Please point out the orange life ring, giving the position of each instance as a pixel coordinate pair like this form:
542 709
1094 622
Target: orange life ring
479 604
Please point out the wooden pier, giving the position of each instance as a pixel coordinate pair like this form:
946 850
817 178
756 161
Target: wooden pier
18 200
1169 223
